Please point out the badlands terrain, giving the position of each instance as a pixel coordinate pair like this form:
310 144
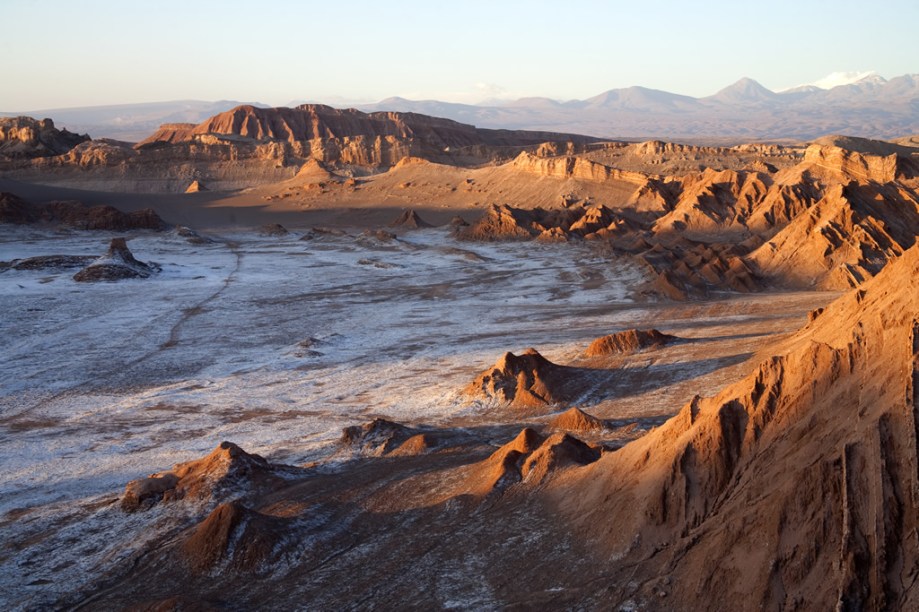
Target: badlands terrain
313 358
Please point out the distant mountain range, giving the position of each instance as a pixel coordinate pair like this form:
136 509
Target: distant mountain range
870 107
131 122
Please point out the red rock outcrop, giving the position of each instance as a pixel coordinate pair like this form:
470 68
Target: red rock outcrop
94 153
170 133
525 382
565 167
557 452
847 165
842 240
503 467
682 268
195 186
714 202
628 341
575 419
228 466
529 459
500 223
504 222
347 136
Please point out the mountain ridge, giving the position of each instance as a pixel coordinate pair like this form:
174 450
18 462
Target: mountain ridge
870 106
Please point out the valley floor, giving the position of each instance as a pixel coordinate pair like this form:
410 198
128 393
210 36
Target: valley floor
277 343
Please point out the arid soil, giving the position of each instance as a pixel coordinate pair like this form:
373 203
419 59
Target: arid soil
255 339
385 380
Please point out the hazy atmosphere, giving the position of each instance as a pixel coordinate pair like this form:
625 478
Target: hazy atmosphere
459 306
102 52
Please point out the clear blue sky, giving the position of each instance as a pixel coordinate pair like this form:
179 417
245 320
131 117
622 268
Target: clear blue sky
60 53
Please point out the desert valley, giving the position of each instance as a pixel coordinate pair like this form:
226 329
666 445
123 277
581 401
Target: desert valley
321 358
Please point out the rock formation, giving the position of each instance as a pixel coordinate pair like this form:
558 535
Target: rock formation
195 187
379 437
628 341
713 203
829 221
500 223
819 440
504 222
347 136
557 452
844 239
26 138
502 468
576 420
50 262
118 263
409 219
528 460
79 216
568 166
526 382
226 467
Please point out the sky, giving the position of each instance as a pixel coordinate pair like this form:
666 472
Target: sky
62 53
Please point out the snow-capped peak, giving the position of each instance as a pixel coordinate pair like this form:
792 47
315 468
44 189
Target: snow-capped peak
837 79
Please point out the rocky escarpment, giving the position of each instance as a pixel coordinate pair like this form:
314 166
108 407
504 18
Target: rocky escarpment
831 221
27 138
819 440
250 146
349 136
848 236
574 167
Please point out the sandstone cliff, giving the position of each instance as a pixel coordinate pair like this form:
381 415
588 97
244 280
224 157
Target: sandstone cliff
26 138
797 484
349 136
842 240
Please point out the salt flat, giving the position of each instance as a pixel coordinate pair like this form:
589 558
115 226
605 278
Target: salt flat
276 343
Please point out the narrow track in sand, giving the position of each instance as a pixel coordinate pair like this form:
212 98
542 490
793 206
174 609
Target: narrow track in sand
186 315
